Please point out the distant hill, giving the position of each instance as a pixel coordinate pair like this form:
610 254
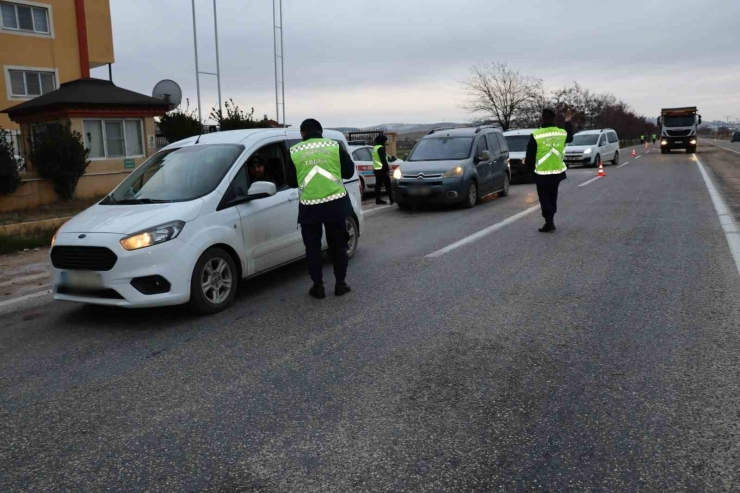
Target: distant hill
415 128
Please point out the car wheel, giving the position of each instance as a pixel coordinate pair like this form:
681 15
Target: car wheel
354 236
403 205
615 161
667 151
505 191
597 160
214 282
472 196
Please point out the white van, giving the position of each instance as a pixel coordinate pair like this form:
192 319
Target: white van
591 147
188 224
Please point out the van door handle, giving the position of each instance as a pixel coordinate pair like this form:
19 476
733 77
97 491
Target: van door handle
293 197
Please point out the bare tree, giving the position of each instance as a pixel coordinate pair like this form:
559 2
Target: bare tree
503 93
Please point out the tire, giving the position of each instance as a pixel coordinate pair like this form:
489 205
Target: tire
507 182
690 150
667 151
615 161
404 206
354 236
597 161
471 197
215 268
662 151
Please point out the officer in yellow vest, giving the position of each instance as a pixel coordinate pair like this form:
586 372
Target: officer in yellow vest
381 169
545 158
319 166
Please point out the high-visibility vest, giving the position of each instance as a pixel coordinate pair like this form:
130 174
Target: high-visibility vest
550 149
642 137
319 171
377 163
654 136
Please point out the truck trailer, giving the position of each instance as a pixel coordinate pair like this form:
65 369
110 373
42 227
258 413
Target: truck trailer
678 129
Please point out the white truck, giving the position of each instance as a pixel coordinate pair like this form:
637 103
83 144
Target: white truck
678 128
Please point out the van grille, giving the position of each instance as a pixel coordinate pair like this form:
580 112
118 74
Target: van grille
83 258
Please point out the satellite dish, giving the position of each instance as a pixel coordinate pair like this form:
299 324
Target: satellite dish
168 90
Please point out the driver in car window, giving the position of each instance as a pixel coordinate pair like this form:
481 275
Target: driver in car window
256 168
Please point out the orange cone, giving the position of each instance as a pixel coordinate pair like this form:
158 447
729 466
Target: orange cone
601 170
634 153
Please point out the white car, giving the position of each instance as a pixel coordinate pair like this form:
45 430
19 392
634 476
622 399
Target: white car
517 141
363 158
188 224
592 147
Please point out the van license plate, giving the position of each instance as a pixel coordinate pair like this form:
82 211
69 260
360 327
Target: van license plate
678 142
420 191
81 280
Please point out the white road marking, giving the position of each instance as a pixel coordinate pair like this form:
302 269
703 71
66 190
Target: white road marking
732 232
638 157
623 164
24 298
484 232
376 209
725 148
22 279
590 181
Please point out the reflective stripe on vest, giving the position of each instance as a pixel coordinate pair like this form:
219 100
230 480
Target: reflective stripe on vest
319 168
550 150
377 163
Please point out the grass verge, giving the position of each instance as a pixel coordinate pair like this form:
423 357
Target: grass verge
48 211
40 238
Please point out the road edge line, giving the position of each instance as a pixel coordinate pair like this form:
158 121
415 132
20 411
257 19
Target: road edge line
13 301
723 147
484 232
589 181
726 220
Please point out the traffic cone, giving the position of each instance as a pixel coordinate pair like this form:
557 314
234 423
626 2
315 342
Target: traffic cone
634 152
601 170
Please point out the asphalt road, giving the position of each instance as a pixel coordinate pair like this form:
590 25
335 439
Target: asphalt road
603 357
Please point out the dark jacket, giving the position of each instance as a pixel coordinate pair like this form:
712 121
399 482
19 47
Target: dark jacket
531 159
334 211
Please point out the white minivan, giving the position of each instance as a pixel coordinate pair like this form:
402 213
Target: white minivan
592 147
188 224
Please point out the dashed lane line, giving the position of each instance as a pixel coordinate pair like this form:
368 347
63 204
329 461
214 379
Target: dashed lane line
589 181
623 164
729 226
484 232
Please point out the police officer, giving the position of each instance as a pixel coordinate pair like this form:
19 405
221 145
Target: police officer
545 159
319 165
654 137
381 169
642 138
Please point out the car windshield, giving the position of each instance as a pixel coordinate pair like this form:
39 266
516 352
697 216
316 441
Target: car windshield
442 149
679 121
584 140
176 175
517 143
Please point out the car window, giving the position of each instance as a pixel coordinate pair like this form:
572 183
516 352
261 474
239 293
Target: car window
365 154
268 164
612 137
493 145
481 146
239 187
584 139
517 143
442 149
602 140
502 142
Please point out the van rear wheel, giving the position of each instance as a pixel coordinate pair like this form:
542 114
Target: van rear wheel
471 198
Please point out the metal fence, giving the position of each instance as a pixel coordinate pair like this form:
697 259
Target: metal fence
364 136
15 138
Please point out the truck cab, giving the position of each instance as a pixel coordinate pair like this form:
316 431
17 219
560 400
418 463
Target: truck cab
678 129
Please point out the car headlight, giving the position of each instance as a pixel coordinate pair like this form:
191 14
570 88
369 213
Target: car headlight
54 238
153 236
692 141
456 171
664 142
587 151
397 173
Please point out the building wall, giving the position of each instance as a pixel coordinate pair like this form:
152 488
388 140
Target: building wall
101 176
57 51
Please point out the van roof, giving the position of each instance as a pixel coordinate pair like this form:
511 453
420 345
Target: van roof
255 134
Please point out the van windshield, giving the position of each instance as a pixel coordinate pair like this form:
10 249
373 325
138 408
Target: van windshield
517 143
176 175
584 140
442 149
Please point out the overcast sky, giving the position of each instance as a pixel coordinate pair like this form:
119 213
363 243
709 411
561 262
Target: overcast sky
366 62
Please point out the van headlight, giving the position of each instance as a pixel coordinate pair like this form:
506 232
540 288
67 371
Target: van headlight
456 171
664 142
153 236
54 238
397 173
692 141
587 151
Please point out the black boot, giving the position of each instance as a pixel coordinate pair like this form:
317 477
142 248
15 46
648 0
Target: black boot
380 202
317 291
341 288
547 228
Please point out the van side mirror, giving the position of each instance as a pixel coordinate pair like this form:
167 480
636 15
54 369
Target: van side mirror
485 156
261 190
699 119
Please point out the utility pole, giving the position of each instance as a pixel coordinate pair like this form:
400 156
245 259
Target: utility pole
277 25
197 70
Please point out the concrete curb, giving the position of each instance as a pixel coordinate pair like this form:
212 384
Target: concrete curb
26 228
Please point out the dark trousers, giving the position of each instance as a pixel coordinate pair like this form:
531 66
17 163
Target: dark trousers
382 178
548 195
336 237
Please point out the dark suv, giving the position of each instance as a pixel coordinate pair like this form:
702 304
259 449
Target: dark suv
454 165
735 136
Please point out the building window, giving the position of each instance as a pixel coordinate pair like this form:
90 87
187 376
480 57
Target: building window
113 138
31 83
25 18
